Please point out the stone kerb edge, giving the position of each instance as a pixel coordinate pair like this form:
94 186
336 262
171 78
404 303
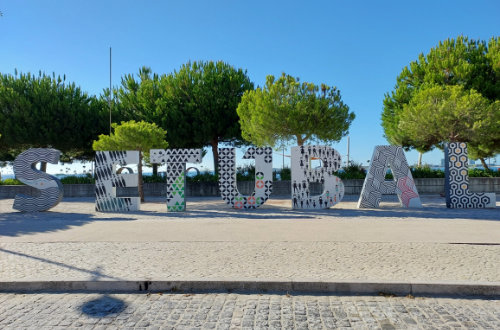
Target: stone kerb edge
491 289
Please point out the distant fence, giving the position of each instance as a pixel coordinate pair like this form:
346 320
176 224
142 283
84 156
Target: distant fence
280 188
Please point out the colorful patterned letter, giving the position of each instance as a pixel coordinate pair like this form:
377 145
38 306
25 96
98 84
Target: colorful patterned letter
375 185
176 160
51 189
457 180
263 177
303 175
107 180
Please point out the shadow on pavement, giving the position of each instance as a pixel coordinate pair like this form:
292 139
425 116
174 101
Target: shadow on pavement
96 274
275 213
19 223
282 213
427 212
103 306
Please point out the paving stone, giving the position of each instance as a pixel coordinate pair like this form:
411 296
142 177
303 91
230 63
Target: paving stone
73 242
243 311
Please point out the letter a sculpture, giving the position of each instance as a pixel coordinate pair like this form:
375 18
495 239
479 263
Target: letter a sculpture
51 189
263 177
385 157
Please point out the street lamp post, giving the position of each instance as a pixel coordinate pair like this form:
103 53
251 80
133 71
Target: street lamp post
109 100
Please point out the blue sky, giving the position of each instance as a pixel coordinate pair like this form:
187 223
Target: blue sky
358 46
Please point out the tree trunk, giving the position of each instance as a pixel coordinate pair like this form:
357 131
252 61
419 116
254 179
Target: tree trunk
43 166
300 141
419 164
139 174
155 169
484 163
215 151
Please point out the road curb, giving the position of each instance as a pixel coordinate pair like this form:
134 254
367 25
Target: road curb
336 287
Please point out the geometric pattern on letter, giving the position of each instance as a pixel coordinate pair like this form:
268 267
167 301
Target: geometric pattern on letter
383 158
176 160
457 180
107 180
303 176
50 187
263 177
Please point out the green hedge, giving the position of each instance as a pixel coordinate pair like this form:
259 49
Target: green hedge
153 178
484 173
77 179
66 180
247 173
11 182
203 177
426 172
285 174
353 171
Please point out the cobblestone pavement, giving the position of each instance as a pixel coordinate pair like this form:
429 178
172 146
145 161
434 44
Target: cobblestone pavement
231 311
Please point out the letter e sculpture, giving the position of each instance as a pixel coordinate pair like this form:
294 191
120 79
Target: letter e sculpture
107 180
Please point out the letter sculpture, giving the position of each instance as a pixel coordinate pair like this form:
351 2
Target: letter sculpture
457 180
303 175
263 177
176 160
375 185
107 180
50 187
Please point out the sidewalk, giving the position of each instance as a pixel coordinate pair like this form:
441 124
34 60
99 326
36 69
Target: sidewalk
273 244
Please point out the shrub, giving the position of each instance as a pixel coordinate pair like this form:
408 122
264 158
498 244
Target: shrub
245 173
421 172
353 171
203 177
286 174
283 174
73 179
11 182
475 172
426 172
154 179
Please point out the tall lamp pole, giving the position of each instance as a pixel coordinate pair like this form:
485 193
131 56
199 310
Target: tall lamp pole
348 147
109 100
283 158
